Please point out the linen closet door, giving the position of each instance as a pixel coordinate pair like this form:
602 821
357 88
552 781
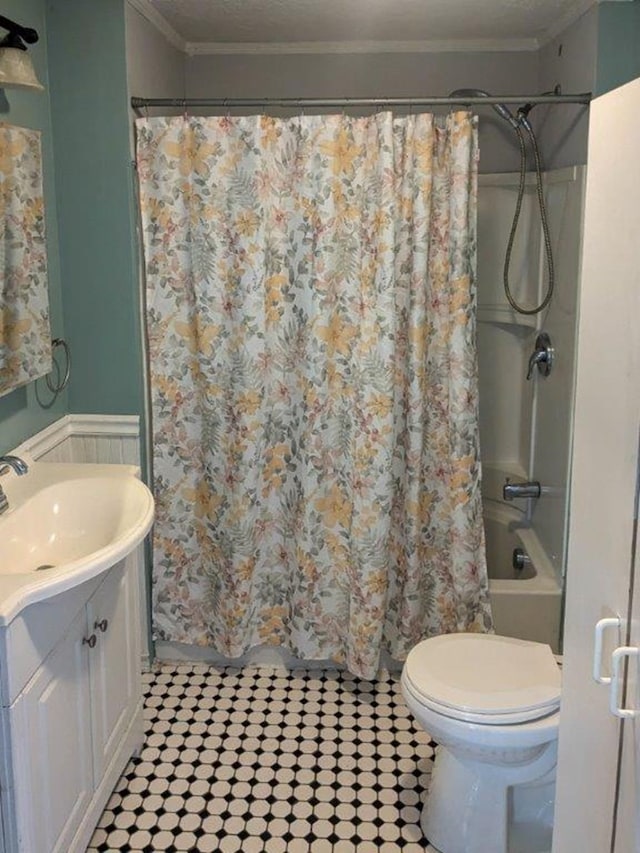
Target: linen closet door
627 825
604 473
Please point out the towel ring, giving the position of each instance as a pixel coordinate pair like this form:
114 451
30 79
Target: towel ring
62 379
59 386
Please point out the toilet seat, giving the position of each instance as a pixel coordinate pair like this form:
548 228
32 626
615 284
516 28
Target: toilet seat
484 678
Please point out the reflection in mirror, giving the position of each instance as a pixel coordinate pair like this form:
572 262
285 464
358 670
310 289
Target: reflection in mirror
25 338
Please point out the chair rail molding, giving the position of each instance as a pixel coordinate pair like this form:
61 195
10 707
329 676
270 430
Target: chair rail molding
87 438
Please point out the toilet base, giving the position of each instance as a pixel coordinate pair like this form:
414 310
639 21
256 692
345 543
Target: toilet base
471 805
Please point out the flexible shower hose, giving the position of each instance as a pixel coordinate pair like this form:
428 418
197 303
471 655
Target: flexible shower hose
516 217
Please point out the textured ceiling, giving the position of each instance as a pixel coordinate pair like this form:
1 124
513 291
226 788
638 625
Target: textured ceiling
264 21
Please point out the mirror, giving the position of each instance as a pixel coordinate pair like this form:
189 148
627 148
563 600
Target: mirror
25 336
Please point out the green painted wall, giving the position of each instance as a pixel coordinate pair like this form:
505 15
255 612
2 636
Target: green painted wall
20 413
618 45
94 179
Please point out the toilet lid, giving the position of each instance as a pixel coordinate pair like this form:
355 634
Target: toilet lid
485 675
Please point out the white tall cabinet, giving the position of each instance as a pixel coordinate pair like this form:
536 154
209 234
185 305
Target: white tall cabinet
597 797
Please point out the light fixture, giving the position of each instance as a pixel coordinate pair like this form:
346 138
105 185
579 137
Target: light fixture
16 70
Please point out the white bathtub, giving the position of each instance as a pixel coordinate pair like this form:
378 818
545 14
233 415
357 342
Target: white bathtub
525 604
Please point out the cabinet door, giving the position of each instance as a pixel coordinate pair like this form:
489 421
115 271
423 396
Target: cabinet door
50 730
115 661
605 462
626 836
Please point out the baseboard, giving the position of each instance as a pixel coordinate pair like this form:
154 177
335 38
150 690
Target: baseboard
261 656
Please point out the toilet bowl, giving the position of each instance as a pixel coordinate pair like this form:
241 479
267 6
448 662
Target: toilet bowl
492 705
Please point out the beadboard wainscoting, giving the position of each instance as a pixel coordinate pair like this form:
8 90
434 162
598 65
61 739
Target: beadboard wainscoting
87 438
109 439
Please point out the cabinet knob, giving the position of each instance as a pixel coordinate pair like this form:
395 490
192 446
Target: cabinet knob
102 625
90 641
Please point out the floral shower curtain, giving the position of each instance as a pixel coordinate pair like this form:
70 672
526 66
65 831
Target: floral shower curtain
310 312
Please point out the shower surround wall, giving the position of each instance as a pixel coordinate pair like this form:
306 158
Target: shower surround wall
553 410
525 426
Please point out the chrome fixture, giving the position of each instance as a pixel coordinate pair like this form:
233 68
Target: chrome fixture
542 356
511 491
520 559
502 110
517 122
16 464
582 98
16 69
57 380
523 121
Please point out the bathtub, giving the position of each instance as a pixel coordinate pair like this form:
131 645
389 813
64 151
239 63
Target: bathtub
526 603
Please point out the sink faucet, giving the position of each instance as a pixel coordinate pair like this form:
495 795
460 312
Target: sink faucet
16 464
510 490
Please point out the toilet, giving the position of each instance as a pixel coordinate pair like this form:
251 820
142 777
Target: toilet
491 704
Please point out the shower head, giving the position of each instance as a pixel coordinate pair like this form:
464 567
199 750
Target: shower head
503 111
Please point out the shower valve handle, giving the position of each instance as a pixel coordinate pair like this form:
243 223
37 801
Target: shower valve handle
542 356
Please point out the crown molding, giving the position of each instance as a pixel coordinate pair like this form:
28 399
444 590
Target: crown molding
148 11
328 47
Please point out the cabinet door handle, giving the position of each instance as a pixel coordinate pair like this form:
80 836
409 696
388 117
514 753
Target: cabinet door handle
90 641
102 625
617 658
602 626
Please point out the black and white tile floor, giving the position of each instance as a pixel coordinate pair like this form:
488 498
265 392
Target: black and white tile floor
260 759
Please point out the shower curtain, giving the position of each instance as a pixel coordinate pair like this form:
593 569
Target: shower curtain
310 315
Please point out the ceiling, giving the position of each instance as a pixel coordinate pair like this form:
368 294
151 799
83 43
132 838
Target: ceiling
219 25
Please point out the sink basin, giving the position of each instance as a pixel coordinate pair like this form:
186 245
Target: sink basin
71 520
65 524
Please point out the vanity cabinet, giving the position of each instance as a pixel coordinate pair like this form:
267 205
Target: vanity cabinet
50 725
75 722
114 665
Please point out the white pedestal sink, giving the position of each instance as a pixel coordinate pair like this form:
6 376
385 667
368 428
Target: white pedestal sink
70 682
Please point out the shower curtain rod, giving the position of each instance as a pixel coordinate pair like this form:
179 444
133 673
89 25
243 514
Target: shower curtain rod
300 103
